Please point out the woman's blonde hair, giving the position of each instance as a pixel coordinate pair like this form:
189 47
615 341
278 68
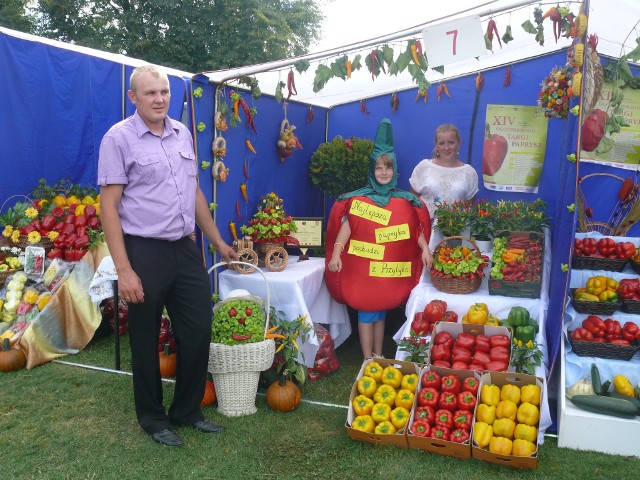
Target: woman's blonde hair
445 127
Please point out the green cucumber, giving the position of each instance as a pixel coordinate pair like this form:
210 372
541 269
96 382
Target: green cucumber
633 400
595 379
616 407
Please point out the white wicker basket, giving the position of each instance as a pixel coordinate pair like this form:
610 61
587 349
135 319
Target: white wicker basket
236 368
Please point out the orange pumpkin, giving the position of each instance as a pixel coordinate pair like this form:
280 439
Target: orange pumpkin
167 362
11 359
283 395
209 394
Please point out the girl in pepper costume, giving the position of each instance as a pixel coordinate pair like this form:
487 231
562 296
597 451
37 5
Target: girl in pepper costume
377 243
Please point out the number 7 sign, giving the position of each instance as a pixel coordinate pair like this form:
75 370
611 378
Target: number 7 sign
454 41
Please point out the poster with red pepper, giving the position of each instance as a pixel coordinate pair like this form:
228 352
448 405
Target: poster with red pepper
514 144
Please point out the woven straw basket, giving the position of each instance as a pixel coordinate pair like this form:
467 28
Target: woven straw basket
458 285
236 368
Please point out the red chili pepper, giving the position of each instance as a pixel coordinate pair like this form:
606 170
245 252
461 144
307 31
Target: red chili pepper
507 77
291 84
425 412
241 338
246 170
363 107
430 379
463 418
451 383
419 47
492 29
238 210
466 401
428 397
248 114
310 115
444 418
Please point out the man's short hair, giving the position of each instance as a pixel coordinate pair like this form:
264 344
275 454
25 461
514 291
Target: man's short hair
152 69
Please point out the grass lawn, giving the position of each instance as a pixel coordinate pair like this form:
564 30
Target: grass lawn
60 421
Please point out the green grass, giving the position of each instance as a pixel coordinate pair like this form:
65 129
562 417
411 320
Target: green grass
64 422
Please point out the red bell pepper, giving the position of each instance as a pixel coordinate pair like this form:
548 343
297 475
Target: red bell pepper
620 341
460 366
470 384
483 344
613 328
59 226
499 354
27 229
475 367
625 249
80 221
451 383
459 436
578 249
595 325
70 255
48 222
82 242
68 229
450 316
430 379
55 253
481 358
80 231
440 433
447 401
426 413
500 341
440 352
630 331
581 334
465 340
589 246
89 211
461 355
93 223
428 397
496 366
434 311
444 338
626 291
69 218
607 246
442 363
462 419
421 428
466 401
59 241
70 240
444 418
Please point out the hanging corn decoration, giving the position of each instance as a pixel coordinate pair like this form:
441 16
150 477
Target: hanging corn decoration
576 84
578 54
580 25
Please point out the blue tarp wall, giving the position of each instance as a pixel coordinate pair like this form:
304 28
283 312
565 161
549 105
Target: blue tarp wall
56 105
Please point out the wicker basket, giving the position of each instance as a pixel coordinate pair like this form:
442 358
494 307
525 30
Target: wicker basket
235 369
44 243
631 306
457 285
4 275
635 265
603 350
597 263
593 308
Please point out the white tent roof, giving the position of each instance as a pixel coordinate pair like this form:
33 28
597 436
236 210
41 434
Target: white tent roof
614 21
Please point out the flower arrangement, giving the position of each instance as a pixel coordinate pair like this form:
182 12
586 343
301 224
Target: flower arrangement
452 218
270 223
480 220
416 346
525 357
555 95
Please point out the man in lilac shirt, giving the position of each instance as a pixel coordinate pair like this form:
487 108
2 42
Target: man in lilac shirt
150 202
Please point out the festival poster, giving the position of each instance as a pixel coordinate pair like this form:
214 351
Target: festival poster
514 146
624 149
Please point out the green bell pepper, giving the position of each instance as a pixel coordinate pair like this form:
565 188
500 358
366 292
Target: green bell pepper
525 333
519 317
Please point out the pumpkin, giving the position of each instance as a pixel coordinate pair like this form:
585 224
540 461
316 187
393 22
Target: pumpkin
209 394
167 362
283 395
11 359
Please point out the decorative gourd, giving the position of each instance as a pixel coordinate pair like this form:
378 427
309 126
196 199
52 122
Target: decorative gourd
283 395
167 362
11 359
209 394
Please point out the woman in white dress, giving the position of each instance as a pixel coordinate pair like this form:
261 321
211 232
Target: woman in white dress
444 178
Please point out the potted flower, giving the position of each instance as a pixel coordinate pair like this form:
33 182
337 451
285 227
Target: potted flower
451 218
520 216
480 223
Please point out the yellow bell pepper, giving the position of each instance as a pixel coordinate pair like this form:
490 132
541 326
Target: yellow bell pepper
404 399
612 283
364 423
43 300
586 297
79 210
381 412
525 432
493 320
60 200
97 207
500 445
528 413
506 409
367 386
530 394
392 376
486 413
410 382
482 434
523 448
373 370
30 297
510 392
88 200
73 199
608 296
385 428
400 417
478 313
596 285
362 405
623 386
490 394
385 394
504 427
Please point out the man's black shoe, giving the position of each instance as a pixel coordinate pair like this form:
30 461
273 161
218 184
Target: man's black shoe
206 426
167 437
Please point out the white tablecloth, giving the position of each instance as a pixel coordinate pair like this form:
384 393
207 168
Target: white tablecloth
299 289
499 306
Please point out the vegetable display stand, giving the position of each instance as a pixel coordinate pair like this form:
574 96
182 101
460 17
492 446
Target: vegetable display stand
603 349
592 308
235 369
457 284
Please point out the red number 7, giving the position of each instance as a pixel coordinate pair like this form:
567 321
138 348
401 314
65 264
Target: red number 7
455 37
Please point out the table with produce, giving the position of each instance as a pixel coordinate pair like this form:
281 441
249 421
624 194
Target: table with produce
602 326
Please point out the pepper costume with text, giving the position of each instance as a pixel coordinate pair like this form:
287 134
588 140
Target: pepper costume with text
381 262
